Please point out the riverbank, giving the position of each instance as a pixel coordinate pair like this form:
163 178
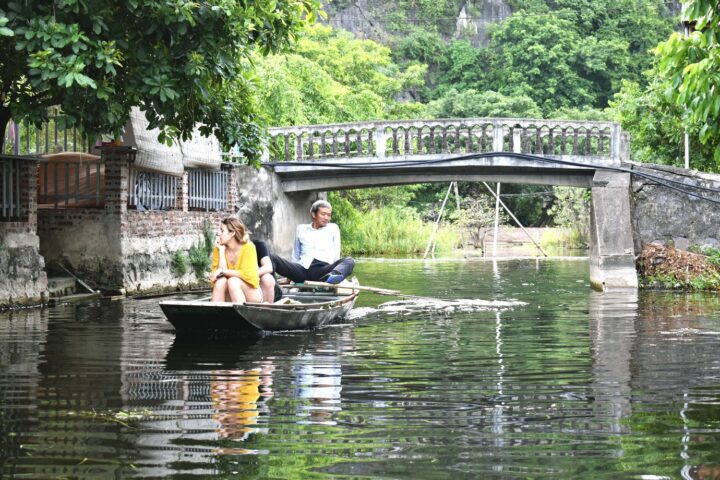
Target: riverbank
666 267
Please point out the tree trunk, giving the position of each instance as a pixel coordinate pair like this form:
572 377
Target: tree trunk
4 119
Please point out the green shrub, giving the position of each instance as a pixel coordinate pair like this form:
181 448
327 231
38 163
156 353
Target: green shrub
179 263
199 259
393 231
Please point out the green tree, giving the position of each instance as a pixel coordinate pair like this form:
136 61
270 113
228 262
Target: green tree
477 217
656 127
572 209
470 103
332 77
546 58
690 68
180 61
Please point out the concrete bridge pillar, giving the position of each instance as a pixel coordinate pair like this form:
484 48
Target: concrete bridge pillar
380 142
612 255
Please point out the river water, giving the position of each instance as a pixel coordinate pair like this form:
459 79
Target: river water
565 383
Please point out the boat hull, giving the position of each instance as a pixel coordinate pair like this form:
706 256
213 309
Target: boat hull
308 310
302 318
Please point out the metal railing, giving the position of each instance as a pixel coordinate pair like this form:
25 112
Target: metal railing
71 184
50 137
151 191
10 188
207 189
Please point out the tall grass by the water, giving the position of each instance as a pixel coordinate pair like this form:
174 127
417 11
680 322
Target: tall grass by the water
392 231
562 237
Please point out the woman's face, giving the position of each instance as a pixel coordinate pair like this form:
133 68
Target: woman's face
225 234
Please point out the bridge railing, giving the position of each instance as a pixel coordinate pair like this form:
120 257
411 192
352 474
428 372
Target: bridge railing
431 138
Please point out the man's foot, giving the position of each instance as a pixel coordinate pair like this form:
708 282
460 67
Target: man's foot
333 278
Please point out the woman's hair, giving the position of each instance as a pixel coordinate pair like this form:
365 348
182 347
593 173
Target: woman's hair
237 228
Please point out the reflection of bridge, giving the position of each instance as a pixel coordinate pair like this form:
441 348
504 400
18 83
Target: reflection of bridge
326 157
550 152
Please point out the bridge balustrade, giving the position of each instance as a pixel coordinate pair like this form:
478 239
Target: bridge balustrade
429 138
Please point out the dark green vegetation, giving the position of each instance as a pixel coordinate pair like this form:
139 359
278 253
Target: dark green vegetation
182 62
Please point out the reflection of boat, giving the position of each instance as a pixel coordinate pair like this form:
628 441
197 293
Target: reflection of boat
304 308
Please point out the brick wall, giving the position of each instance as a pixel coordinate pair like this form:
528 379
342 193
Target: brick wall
168 223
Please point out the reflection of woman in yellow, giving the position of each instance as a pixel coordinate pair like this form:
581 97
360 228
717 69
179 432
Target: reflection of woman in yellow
235 395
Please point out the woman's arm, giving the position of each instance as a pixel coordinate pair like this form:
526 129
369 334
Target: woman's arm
219 263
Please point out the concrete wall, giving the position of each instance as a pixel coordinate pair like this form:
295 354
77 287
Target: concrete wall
267 211
663 215
23 280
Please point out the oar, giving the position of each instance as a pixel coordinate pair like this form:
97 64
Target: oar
379 291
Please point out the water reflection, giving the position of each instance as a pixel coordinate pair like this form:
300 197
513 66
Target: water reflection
612 333
570 383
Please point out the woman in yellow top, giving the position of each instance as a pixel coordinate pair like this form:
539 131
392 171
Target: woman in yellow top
234 273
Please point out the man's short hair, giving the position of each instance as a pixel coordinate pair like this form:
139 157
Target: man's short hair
320 204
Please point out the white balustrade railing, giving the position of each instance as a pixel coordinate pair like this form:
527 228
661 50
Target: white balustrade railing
454 137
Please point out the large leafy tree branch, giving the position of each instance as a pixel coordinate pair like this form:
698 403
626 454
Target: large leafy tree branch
183 62
690 67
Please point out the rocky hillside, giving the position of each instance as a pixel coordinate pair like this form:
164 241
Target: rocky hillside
384 21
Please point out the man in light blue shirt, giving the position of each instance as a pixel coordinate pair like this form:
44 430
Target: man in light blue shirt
316 252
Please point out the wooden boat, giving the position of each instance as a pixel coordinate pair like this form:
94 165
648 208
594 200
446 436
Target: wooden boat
301 308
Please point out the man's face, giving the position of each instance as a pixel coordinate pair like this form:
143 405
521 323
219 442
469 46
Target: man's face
322 217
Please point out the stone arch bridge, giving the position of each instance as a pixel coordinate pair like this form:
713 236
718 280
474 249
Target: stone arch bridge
550 152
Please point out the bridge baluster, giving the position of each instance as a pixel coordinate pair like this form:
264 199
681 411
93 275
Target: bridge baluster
588 136
575 142
413 138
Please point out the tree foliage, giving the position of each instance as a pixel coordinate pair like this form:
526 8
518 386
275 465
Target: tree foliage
332 77
572 209
470 103
546 58
656 127
182 62
690 68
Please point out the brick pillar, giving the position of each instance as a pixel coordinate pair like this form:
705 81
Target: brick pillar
29 194
117 171
183 192
231 187
117 160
